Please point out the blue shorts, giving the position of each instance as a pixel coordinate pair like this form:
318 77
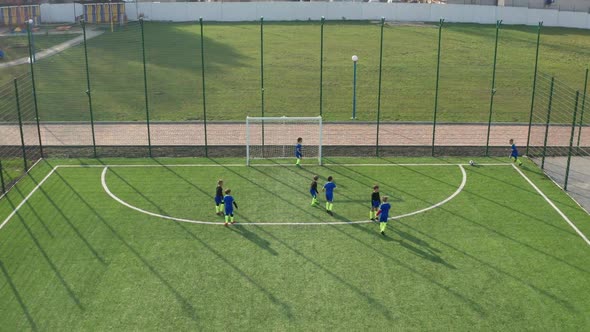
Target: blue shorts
229 211
298 155
218 200
515 155
329 197
313 193
375 204
382 218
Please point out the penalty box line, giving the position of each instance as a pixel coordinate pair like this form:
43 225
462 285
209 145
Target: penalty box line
24 201
553 205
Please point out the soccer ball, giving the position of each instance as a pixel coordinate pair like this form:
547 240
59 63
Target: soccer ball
471 162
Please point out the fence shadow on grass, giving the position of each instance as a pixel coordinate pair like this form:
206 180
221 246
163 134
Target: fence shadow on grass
375 303
187 307
18 297
285 307
48 259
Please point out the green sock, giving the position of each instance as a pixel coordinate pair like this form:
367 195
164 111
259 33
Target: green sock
226 219
382 226
312 201
331 206
327 206
216 208
231 218
298 161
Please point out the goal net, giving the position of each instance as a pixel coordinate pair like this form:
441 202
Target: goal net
276 137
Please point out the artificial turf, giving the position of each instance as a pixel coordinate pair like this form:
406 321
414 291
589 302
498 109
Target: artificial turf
495 257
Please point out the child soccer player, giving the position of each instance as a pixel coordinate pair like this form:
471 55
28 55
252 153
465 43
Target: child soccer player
314 191
514 153
383 214
329 189
219 198
375 201
298 153
229 202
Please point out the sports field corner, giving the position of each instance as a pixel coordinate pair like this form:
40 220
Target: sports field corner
491 246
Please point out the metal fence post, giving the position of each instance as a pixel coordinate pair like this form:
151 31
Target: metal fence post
31 61
379 92
583 106
442 20
203 76
569 154
20 125
262 76
262 64
88 89
322 66
147 108
2 178
528 140
493 92
548 120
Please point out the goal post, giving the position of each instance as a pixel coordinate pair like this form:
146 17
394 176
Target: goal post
276 137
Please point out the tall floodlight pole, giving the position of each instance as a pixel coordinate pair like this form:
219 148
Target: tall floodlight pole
355 59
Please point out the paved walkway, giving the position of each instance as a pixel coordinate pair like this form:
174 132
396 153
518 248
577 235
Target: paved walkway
54 49
336 134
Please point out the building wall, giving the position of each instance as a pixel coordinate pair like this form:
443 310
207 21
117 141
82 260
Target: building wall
293 11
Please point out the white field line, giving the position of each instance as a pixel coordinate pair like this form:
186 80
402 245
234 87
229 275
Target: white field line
27 198
14 185
272 165
553 205
107 190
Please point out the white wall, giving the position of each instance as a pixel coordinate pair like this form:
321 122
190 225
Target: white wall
303 11
61 13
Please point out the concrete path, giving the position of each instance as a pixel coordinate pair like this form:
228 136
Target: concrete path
53 50
334 133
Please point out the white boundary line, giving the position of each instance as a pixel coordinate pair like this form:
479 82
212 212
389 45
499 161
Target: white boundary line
27 198
553 205
272 165
107 190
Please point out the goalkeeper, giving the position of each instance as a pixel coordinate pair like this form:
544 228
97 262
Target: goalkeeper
298 153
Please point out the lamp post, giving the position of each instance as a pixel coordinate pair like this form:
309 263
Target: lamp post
32 40
355 59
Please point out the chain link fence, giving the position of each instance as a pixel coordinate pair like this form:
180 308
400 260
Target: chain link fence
149 89
20 145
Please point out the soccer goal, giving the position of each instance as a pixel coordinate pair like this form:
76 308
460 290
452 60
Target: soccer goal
276 137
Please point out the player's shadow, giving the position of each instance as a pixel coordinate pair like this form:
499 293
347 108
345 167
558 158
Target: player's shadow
417 246
473 304
421 248
244 231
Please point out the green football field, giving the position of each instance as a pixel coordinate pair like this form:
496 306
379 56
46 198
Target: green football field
134 244
292 71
